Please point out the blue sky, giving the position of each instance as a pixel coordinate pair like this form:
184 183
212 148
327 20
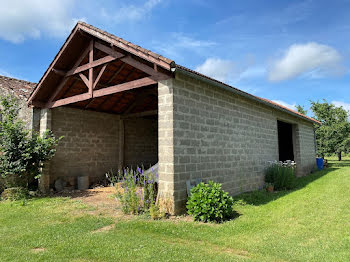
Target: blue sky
287 51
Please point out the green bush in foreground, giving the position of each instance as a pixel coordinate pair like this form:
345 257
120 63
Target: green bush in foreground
22 152
282 177
209 203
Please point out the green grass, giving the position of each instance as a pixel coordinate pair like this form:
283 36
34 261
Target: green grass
311 223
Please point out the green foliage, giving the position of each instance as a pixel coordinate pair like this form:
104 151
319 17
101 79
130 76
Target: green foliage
209 203
136 191
282 177
15 193
301 109
333 136
22 152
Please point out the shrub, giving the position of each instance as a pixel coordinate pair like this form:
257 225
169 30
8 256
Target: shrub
282 177
22 153
15 193
209 203
136 191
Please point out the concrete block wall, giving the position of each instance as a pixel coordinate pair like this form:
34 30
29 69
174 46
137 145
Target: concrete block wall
141 142
90 144
210 133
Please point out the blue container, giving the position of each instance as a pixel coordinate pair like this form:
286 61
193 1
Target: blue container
319 163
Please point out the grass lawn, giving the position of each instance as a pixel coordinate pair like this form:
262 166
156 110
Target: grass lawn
311 223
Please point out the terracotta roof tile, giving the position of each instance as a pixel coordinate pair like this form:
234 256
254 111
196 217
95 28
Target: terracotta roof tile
19 87
127 43
167 63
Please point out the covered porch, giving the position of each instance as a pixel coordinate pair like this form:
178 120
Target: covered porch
101 95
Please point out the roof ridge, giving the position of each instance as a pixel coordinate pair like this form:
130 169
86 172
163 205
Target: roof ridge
19 80
137 48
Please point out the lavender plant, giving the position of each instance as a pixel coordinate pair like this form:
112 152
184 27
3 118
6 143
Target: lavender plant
136 190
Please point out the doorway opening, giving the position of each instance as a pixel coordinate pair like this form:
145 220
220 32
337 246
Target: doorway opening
285 141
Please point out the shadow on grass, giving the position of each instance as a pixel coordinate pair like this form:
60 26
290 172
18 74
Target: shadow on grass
336 163
261 197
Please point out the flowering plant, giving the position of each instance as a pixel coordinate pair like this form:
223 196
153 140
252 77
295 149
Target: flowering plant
136 190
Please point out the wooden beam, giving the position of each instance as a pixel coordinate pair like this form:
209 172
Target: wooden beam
135 115
83 55
84 78
69 100
108 50
99 76
71 86
125 86
103 92
59 72
91 70
65 79
133 62
98 62
145 68
58 89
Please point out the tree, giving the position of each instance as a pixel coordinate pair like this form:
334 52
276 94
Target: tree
301 109
22 152
333 135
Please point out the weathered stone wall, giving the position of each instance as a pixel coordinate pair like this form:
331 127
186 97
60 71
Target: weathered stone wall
25 113
91 144
210 133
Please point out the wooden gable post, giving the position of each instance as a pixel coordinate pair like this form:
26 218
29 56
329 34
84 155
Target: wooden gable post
91 70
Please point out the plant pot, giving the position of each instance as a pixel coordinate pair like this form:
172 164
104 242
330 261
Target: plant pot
269 189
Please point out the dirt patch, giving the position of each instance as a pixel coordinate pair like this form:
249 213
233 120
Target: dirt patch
38 250
104 229
101 200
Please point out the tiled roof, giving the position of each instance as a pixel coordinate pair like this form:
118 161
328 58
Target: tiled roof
21 88
162 61
126 45
149 54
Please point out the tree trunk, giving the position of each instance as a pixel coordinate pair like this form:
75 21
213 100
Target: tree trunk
339 156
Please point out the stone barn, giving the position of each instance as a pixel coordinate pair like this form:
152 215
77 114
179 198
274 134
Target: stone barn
118 104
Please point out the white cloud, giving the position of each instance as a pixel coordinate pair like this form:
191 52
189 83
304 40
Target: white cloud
253 72
174 46
131 12
28 19
218 69
311 59
285 104
345 105
228 71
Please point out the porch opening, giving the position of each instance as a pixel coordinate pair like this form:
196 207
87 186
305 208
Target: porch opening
285 141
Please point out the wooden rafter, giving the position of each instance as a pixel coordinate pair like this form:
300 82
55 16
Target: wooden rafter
85 80
99 76
91 80
131 61
91 70
104 92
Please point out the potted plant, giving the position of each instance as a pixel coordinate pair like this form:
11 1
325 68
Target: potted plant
269 187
